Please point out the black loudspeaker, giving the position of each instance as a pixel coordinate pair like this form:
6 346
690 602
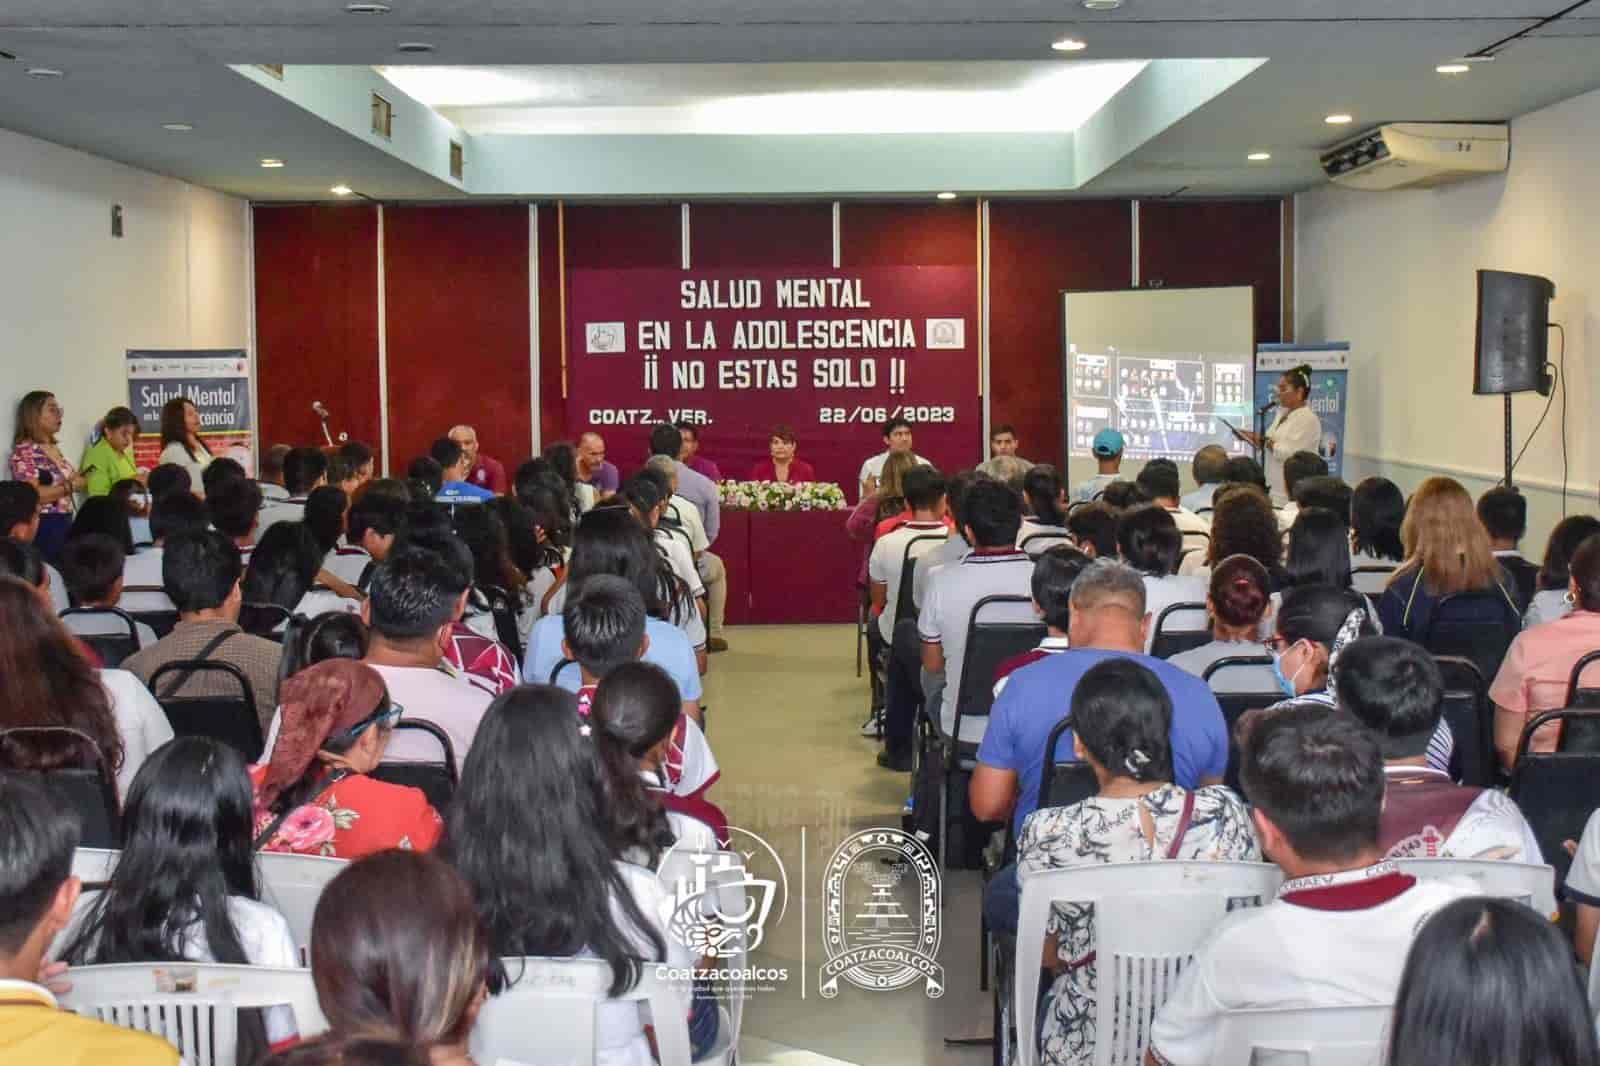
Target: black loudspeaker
1513 333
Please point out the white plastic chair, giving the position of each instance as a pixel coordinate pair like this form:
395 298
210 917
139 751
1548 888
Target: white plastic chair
194 1006
548 1016
1525 882
1314 1036
292 884
1149 919
94 864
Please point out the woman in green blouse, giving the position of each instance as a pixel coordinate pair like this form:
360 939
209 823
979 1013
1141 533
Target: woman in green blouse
110 459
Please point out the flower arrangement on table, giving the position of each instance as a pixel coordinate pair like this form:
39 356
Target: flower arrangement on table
781 495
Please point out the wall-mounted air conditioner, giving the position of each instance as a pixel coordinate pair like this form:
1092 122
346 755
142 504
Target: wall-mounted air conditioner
1408 155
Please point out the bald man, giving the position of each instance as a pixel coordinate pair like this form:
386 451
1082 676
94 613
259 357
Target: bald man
482 471
592 466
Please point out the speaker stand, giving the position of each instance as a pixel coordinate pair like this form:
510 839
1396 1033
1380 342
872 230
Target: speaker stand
1509 459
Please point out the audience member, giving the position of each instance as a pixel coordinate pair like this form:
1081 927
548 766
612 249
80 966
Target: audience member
222 468
415 599
1553 598
1327 492
327 636
102 516
360 458
1159 481
1093 529
955 545
676 510
181 443
143 585
1447 552
1123 496
1242 523
472 648
1042 494
271 473
110 459
23 562
375 519
681 588
1490 981
235 509
1377 511
1003 444
92 568
1318 549
537 556
1582 887
167 479
1210 470
400 961
19 521
484 472
781 463
559 884
1054 571
314 793
342 474
691 451
37 895
455 465
888 504
925 495
1338 932
1149 541
1238 599
1298 467
1504 514
424 479
325 511
696 488
184 886
592 469
1538 666
1121 718
283 573
1243 470
1393 688
897 439
304 469
50 682
134 497
1107 449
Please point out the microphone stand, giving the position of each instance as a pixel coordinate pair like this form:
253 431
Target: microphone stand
1261 432
325 434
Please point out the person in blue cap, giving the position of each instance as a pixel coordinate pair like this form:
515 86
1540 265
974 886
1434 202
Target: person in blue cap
1108 453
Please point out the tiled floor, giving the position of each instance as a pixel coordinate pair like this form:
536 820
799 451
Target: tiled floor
785 711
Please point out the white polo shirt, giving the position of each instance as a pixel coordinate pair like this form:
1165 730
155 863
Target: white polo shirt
1327 941
688 516
873 466
1049 536
677 553
1195 529
953 550
346 562
292 509
951 595
888 559
1583 879
1493 827
451 701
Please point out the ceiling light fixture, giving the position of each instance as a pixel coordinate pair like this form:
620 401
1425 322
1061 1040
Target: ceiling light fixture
341 190
366 7
414 48
1259 157
177 127
44 72
272 164
1339 118
1101 5
1068 44
947 196
1452 68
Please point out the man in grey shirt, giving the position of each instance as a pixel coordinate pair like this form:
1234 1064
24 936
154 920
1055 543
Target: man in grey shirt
692 485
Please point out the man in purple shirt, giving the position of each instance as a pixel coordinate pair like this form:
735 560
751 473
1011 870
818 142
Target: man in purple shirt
691 456
592 466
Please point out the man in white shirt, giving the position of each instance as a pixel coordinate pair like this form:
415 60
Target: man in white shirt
1583 888
896 438
304 469
1003 446
271 479
676 511
92 565
373 523
1107 448
925 494
1299 467
1341 927
1393 687
1210 470
142 581
1503 512
1159 480
415 597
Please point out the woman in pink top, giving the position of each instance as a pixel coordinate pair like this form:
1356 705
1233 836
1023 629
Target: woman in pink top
781 465
1536 670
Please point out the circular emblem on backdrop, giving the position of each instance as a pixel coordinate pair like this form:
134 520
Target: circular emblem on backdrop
881 902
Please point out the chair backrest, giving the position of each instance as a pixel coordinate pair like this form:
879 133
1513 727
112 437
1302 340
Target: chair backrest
555 671
1478 626
1470 715
116 643
263 619
1234 703
1582 734
1556 790
94 865
1531 883
90 791
503 609
437 780
292 884
1372 579
905 598
988 645
194 1006
1307 1036
150 605
1063 782
1150 918
1043 541
1180 627
547 1014
229 719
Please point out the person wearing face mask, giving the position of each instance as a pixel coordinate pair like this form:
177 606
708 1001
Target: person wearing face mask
1296 429
1314 625
110 459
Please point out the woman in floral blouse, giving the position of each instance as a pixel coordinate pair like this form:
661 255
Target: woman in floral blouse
314 795
37 459
1122 718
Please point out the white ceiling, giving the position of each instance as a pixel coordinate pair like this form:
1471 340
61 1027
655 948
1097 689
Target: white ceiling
133 64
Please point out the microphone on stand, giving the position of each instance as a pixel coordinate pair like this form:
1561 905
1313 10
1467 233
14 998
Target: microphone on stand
322 413
1269 405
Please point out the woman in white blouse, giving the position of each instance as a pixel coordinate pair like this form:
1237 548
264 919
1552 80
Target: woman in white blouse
180 441
1296 429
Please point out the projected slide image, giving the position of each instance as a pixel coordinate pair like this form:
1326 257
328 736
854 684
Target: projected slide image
1163 404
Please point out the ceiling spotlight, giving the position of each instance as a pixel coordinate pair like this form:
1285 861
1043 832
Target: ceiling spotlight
272 164
366 7
1339 119
1452 68
947 196
1068 44
177 127
1259 157
44 72
414 48
341 190
1101 5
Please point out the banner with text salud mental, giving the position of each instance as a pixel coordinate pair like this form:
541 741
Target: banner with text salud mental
831 353
1330 387
215 380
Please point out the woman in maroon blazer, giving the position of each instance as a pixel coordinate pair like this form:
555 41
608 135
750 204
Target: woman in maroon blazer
782 466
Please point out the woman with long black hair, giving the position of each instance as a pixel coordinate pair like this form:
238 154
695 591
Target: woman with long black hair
181 444
184 887
541 843
1041 491
283 572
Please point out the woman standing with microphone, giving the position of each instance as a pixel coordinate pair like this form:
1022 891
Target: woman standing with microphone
1296 429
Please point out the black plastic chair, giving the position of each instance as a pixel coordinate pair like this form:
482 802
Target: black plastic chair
1063 782
1582 734
111 647
905 594
1168 643
90 791
162 620
1556 790
555 671
988 645
504 611
437 780
1234 704
1373 588
263 619
229 719
1477 626
1470 715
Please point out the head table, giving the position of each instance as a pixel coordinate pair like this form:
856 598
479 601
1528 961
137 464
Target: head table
788 566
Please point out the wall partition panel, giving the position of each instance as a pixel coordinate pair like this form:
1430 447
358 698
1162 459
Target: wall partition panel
1194 243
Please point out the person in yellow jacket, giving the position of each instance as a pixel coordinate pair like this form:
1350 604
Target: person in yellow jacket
110 459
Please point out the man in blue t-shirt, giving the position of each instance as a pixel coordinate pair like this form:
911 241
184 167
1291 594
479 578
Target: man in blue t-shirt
456 488
1107 620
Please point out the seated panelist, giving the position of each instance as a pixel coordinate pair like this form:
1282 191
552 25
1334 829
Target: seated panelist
782 465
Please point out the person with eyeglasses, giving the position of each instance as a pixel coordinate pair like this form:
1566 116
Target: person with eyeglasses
314 794
37 458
